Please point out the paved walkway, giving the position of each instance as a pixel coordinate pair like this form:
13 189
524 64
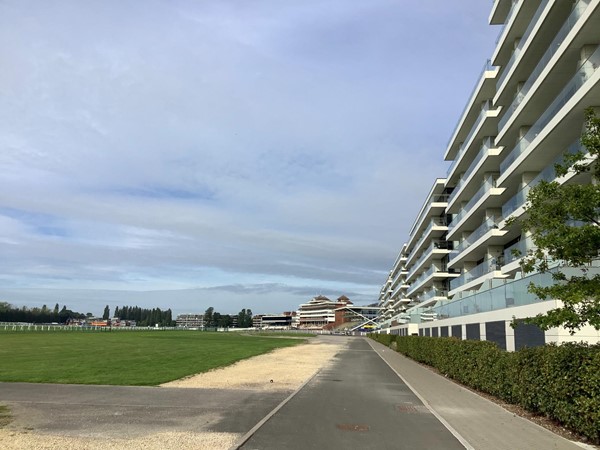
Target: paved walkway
482 423
366 400
357 402
133 411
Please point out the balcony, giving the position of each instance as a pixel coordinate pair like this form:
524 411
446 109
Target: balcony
585 71
483 162
436 204
488 184
486 226
427 276
555 45
485 268
510 30
502 12
516 251
522 43
432 296
435 222
482 91
477 129
548 174
420 280
443 246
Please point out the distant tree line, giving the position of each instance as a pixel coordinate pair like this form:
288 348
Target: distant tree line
143 317
214 319
10 313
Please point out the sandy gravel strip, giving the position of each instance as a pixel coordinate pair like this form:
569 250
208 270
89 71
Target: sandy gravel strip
282 369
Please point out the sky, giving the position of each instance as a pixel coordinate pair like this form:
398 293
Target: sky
229 153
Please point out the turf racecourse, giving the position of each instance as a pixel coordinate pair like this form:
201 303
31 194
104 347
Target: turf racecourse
142 358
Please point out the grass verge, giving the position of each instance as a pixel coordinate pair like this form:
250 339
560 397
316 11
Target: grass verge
142 358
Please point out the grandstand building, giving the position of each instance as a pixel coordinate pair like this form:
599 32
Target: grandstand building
458 273
319 312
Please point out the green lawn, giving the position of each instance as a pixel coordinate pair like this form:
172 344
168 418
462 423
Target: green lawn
122 358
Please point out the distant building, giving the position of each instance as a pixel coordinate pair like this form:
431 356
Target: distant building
277 320
190 320
319 313
257 320
116 322
287 319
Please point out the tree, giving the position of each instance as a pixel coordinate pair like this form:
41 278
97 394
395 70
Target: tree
208 317
106 314
225 321
245 318
564 222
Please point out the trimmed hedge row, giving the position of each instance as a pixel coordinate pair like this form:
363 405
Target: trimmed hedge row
559 381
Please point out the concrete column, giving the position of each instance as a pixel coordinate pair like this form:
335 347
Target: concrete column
527 178
523 131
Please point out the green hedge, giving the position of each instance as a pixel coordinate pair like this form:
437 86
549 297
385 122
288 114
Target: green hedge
559 381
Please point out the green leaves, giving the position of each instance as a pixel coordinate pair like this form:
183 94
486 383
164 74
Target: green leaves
564 223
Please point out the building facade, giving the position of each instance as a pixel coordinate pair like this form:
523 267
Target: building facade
319 312
459 272
190 320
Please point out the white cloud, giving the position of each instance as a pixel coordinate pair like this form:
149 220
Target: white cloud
170 145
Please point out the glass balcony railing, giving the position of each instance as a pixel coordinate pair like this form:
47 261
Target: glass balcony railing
585 71
437 198
547 174
489 183
522 42
510 294
487 144
486 226
478 271
518 250
433 246
434 292
480 118
509 17
569 24
516 201
419 281
459 155
486 67
435 222
463 147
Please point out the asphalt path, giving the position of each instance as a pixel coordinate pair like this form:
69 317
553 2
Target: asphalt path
130 412
358 402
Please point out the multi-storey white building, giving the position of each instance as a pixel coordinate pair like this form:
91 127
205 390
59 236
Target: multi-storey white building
458 274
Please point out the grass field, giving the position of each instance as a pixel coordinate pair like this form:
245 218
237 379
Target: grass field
142 358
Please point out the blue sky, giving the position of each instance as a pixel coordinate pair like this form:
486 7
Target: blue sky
225 153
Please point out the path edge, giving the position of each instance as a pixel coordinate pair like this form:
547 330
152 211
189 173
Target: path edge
246 437
444 422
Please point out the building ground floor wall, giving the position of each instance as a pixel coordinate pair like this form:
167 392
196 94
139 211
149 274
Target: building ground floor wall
496 326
